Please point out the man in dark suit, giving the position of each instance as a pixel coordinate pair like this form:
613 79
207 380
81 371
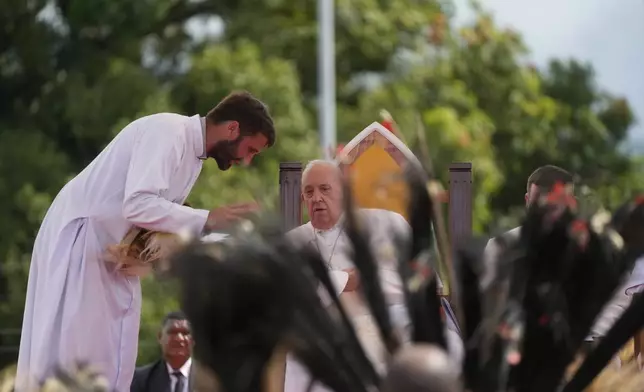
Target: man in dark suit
172 373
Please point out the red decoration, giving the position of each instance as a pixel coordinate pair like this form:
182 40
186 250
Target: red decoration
639 199
579 226
579 229
389 125
388 121
338 149
559 195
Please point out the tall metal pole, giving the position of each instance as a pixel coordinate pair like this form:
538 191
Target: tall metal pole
326 76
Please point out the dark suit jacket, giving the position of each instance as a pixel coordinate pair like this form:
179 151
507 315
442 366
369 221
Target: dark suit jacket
154 377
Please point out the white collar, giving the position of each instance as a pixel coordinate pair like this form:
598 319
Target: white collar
204 154
185 369
335 228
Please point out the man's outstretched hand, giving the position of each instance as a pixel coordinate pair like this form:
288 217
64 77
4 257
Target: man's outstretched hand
223 217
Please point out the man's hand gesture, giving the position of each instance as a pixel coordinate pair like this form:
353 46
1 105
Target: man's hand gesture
223 217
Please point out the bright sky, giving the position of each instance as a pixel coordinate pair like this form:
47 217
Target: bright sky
607 33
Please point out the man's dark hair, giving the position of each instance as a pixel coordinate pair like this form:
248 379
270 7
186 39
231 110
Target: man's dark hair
251 114
547 176
172 316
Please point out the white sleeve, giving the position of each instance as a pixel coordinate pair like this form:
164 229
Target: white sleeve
614 309
635 283
399 225
488 265
156 157
609 314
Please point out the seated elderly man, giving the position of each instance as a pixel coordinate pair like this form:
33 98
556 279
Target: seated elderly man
322 193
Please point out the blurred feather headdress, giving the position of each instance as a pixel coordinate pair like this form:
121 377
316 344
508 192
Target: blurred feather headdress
142 251
78 378
258 291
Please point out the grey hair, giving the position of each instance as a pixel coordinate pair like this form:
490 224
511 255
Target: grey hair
320 162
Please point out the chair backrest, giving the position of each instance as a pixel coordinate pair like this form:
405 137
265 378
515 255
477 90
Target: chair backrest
374 162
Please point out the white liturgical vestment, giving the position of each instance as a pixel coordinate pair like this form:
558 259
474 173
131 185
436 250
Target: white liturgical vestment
335 249
78 308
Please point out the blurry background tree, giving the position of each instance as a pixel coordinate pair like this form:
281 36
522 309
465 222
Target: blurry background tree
74 72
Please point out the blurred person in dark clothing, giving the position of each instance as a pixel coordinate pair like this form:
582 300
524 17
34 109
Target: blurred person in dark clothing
543 179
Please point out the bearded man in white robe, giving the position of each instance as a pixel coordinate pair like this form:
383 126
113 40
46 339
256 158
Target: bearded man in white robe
80 307
322 192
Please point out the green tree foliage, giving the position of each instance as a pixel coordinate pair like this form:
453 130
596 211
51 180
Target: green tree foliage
73 73
558 116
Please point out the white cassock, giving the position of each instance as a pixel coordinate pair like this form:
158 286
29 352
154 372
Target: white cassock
334 247
78 307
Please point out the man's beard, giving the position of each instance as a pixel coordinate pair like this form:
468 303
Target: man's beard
224 152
